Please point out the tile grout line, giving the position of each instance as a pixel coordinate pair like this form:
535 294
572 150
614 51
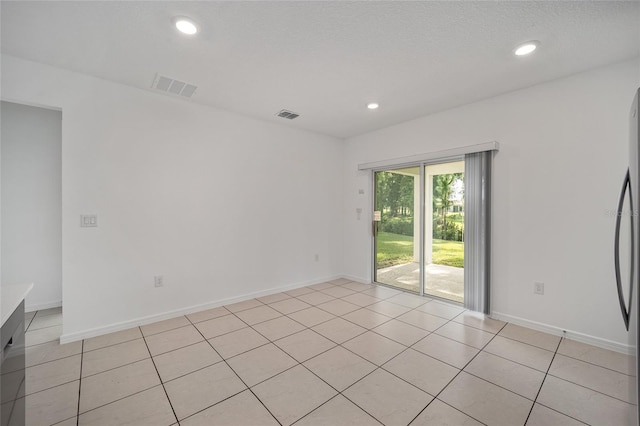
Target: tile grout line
588 388
543 379
373 331
112 344
359 307
108 369
335 317
282 314
159 378
269 341
124 365
366 329
595 365
194 371
298 363
499 386
257 331
144 337
561 354
320 378
234 372
563 414
363 307
159 332
458 373
366 307
526 343
120 399
53 360
553 356
380 367
49 388
217 403
510 360
331 399
80 383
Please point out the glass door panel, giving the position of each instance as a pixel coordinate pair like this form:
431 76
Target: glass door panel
397 228
444 222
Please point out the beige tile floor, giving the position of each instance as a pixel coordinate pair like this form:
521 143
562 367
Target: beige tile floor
329 354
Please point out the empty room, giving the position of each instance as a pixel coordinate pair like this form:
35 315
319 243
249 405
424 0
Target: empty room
319 213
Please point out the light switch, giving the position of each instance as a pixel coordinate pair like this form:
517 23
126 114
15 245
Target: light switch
89 221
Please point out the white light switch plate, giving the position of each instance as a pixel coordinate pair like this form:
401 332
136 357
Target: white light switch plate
89 221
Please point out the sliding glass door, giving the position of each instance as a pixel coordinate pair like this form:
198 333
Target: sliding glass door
444 223
397 228
419 228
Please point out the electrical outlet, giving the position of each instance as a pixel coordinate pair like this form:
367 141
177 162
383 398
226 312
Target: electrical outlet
538 287
158 281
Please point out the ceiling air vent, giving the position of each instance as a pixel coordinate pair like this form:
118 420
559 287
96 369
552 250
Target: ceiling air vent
173 86
290 115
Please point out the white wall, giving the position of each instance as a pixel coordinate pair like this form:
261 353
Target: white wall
32 202
221 205
563 150
225 206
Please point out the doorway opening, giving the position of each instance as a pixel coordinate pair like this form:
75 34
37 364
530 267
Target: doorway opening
31 198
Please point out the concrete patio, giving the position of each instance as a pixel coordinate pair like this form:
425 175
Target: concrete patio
440 280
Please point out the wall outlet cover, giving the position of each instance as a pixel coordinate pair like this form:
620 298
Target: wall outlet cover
158 281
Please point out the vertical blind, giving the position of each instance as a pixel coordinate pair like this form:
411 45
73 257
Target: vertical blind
477 231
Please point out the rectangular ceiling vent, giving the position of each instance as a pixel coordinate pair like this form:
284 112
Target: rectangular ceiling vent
290 115
173 86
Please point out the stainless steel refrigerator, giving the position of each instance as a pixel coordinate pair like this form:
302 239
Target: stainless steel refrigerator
627 253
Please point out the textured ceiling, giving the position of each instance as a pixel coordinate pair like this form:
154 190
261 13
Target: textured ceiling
326 60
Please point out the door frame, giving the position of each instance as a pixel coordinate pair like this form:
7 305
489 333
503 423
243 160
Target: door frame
422 218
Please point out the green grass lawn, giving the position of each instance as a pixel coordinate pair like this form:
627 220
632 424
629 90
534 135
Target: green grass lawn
395 249
450 253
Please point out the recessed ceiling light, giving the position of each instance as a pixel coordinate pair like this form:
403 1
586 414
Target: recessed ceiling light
372 105
526 48
186 26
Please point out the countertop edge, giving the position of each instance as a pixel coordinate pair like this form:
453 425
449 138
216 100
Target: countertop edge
11 296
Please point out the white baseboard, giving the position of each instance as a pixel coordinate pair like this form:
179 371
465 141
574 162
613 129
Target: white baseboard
569 334
41 306
111 328
356 279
